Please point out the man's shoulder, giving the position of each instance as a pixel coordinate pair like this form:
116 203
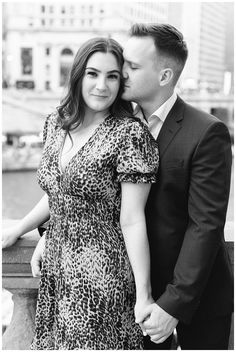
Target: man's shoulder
195 115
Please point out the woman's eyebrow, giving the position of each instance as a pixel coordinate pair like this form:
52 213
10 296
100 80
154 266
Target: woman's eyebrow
95 69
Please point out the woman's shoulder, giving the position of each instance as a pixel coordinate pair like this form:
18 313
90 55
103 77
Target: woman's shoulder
51 125
53 118
129 122
132 125
53 121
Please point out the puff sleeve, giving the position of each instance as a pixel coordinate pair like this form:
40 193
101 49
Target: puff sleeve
138 156
50 125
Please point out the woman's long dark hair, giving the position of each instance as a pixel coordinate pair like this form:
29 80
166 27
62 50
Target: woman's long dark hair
72 107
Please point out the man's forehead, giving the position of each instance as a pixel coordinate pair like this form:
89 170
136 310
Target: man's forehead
138 48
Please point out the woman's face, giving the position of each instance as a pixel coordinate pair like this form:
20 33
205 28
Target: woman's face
101 81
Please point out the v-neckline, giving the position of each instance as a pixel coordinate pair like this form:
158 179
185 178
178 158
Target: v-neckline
79 150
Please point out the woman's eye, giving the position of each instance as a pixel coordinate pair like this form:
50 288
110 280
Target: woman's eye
91 73
115 77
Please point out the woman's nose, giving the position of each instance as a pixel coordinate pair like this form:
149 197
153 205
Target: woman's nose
101 83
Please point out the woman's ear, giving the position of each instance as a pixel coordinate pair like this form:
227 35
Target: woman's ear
166 76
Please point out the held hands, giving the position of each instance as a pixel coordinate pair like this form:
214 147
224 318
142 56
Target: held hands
37 257
140 309
157 323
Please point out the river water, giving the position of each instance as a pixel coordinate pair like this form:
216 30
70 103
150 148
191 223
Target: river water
20 192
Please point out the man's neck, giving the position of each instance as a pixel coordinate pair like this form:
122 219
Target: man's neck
149 107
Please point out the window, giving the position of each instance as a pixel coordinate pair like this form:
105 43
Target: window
43 8
65 65
47 85
47 69
47 51
66 51
26 61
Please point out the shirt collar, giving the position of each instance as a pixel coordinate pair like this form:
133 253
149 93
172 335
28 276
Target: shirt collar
165 108
161 112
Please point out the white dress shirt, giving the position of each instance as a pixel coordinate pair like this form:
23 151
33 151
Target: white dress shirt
156 120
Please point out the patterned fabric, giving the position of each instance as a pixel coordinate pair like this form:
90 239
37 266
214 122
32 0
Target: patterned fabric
87 293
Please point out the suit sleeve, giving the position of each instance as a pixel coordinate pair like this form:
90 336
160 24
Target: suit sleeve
207 206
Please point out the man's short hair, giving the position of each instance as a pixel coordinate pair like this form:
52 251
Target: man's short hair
168 41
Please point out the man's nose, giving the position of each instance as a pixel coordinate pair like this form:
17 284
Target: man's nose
124 71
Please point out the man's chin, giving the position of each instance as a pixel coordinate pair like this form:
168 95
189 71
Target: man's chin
125 96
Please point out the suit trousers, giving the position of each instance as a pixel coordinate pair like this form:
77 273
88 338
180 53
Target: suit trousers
212 334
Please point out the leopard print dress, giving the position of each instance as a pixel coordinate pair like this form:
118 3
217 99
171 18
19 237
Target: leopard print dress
87 294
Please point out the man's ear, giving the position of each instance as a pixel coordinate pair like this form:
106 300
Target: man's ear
166 75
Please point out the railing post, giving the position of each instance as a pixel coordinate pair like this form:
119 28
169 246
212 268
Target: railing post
18 280
19 334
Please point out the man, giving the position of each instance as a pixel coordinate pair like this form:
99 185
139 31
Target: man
186 209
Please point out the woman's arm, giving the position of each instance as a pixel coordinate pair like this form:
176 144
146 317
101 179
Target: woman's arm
38 215
133 225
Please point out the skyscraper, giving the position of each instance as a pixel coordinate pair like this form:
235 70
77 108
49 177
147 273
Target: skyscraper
204 27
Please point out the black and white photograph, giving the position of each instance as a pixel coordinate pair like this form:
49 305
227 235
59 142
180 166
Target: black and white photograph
117 175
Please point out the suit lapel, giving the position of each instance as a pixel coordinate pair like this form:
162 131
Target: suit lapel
171 126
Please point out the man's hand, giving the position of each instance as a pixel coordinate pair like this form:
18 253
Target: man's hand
160 325
38 257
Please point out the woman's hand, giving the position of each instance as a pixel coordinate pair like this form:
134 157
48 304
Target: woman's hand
141 308
10 236
37 257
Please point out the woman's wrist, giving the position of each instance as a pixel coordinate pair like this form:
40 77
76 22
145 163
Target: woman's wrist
145 293
16 231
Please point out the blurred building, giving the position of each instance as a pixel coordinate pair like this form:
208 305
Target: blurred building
41 39
229 50
204 27
142 11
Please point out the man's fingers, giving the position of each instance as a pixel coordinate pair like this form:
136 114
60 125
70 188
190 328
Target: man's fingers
148 324
153 331
159 338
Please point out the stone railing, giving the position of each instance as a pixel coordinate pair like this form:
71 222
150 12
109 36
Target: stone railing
17 279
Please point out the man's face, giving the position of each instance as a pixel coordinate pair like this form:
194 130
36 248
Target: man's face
141 70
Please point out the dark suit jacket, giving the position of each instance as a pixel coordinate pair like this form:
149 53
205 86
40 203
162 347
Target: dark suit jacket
186 211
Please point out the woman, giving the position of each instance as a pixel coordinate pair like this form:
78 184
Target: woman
97 167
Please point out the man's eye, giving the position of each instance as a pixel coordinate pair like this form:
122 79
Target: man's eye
133 68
